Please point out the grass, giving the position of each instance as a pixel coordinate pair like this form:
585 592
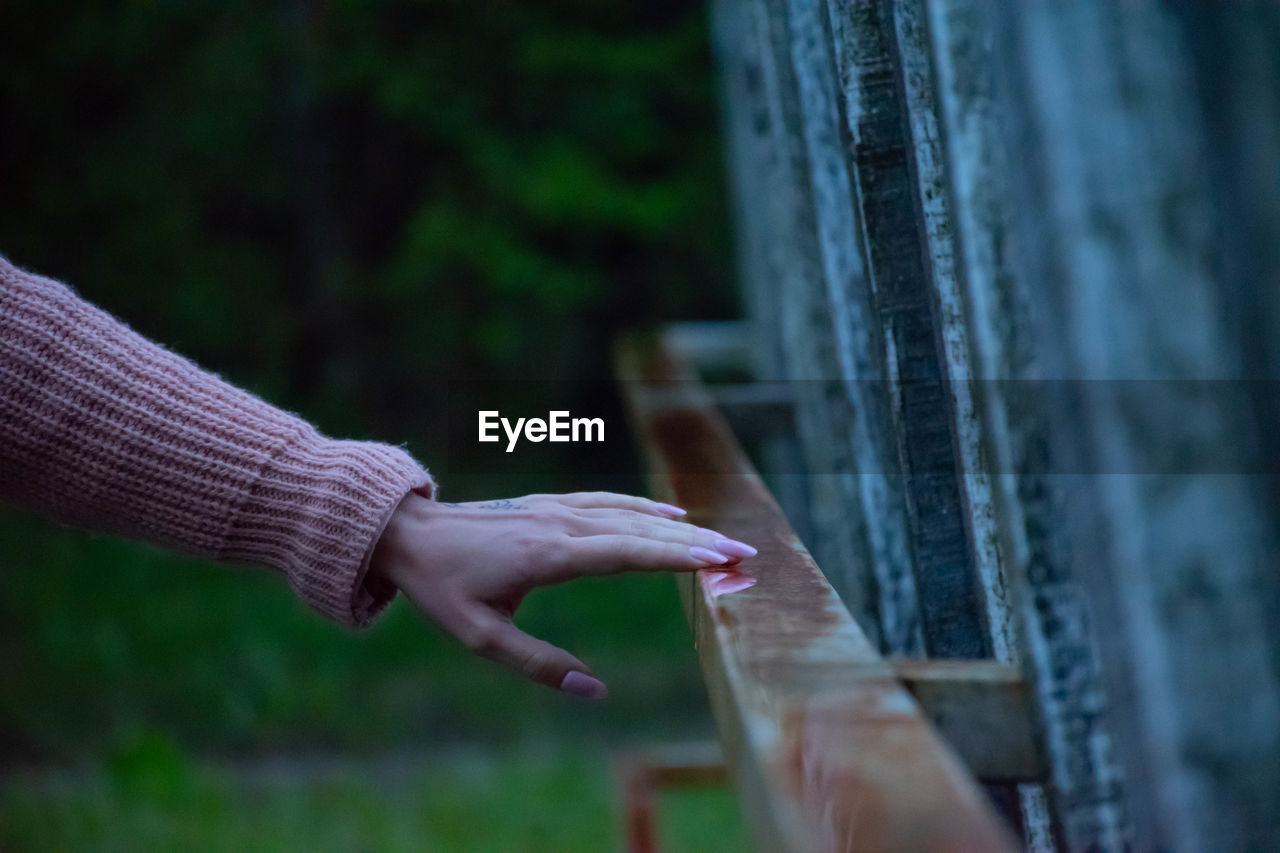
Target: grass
104 639
149 798
135 682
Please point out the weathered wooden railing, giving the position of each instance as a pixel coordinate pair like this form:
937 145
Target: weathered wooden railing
947 210
826 744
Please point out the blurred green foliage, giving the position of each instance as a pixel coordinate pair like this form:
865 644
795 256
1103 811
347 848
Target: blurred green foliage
337 204
105 641
150 798
333 202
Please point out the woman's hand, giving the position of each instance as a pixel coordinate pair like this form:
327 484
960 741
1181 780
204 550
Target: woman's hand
468 566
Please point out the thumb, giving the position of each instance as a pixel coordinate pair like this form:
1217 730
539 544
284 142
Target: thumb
504 643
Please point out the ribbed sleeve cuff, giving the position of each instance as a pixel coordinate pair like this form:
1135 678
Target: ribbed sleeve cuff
101 427
316 512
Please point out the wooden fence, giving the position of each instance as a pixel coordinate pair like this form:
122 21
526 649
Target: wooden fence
1018 268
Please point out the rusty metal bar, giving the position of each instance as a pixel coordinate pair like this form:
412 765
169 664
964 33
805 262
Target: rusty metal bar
645 772
827 749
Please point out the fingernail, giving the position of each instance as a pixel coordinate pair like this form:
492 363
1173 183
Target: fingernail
706 555
731 547
668 509
734 548
580 684
732 584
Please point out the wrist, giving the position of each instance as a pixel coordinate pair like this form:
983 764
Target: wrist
393 553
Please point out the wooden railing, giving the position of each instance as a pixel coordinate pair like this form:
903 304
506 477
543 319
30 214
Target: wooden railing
825 742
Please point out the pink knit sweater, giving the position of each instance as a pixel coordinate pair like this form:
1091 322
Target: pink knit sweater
102 428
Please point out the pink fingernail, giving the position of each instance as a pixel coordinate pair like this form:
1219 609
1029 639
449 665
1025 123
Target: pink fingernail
734 548
731 584
668 509
706 555
580 684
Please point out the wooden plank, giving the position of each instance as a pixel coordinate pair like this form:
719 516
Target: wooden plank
984 710
1116 213
802 265
882 164
827 748
977 507
1055 637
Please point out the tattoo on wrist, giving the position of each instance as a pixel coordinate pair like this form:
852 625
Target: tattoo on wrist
500 504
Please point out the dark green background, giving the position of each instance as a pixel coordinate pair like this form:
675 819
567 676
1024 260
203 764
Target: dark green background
334 205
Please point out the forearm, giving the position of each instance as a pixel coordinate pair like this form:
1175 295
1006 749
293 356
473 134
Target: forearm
103 428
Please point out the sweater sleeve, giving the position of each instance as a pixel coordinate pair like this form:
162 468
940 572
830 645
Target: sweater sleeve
104 429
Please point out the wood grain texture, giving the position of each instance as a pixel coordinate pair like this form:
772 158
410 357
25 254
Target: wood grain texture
828 750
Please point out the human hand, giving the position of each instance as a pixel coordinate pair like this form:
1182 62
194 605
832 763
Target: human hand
468 566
